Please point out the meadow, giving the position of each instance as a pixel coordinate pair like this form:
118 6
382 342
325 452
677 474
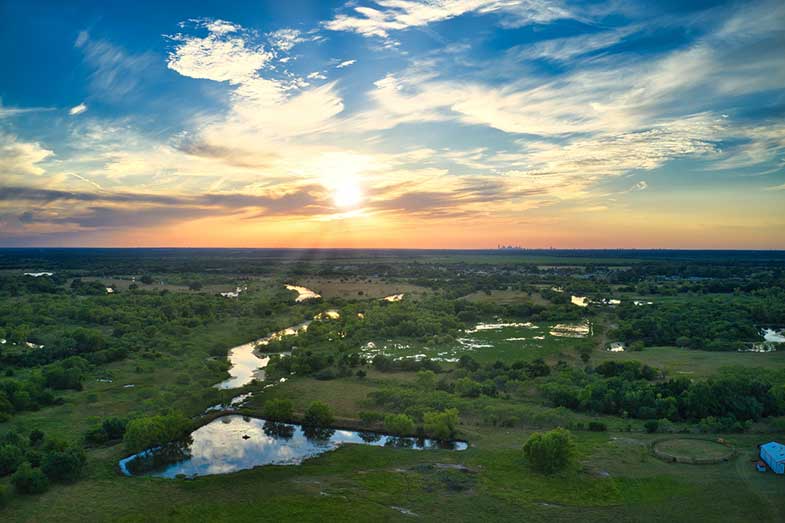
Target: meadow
182 355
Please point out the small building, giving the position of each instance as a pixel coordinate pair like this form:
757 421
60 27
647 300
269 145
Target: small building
773 454
616 346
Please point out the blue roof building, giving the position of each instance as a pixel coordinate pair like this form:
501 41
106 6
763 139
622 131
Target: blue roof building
773 454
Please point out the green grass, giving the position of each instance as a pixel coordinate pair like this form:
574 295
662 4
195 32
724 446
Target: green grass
693 448
695 363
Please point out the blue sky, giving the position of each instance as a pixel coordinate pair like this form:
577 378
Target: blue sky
450 123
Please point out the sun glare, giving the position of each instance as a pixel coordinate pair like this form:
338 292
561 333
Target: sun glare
347 195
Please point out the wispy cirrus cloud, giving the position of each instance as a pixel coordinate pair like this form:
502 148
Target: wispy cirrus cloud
387 16
116 73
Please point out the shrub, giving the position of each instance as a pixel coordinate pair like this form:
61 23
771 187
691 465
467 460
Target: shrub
441 425
278 409
651 426
36 437
10 459
551 451
28 480
597 426
318 415
64 465
399 424
153 431
370 417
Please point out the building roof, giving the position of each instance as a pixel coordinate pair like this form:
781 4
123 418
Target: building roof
775 450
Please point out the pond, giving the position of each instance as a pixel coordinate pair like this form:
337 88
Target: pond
303 293
580 301
231 443
774 335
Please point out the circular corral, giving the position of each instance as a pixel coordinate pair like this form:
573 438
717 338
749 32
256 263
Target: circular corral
693 451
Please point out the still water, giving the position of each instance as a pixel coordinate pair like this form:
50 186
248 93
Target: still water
234 442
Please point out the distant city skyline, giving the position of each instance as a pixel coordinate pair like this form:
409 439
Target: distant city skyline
393 124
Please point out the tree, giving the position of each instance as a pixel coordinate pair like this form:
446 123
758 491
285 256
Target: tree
195 286
318 415
441 425
551 451
651 426
426 380
36 437
10 459
28 480
64 465
399 424
278 409
146 279
155 431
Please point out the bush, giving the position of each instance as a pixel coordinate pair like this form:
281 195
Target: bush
10 459
551 451
154 431
370 417
651 426
597 426
399 424
441 425
278 409
4 496
110 429
28 480
318 415
64 465
36 437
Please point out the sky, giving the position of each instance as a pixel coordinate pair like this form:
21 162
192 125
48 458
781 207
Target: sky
392 124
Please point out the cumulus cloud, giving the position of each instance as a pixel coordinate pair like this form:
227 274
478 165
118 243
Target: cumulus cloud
267 106
19 158
223 55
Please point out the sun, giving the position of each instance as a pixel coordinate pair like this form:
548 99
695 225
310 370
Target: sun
347 194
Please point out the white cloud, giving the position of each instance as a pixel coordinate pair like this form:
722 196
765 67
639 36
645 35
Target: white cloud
285 39
19 158
77 109
396 15
316 75
223 55
345 63
564 49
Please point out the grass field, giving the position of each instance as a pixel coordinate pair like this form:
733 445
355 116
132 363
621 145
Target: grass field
690 448
695 363
617 477
506 297
359 288
617 480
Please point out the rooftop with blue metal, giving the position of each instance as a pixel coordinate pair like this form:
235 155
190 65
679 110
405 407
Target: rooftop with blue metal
775 450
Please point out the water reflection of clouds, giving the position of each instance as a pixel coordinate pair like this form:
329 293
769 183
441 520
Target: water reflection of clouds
219 447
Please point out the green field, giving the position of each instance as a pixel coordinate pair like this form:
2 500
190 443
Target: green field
176 340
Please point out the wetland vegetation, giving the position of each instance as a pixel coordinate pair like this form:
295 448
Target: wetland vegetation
228 362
